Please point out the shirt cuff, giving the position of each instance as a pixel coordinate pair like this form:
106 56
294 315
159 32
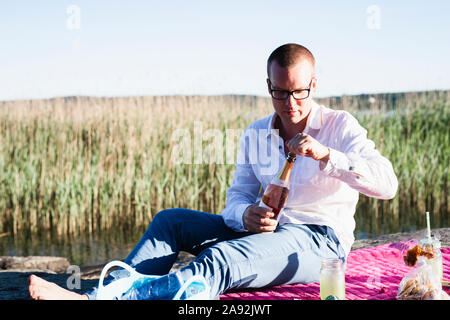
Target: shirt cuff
336 165
234 221
240 209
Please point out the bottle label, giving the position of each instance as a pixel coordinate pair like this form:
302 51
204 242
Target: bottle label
275 197
263 205
279 182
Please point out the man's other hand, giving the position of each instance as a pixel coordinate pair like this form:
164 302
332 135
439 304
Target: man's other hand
258 219
305 145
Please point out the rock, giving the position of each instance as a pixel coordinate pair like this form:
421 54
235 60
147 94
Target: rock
92 272
443 234
33 263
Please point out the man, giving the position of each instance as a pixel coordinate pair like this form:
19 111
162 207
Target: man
246 247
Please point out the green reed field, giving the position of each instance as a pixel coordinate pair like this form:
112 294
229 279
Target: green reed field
81 165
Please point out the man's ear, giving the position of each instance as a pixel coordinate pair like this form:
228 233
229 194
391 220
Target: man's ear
314 85
268 85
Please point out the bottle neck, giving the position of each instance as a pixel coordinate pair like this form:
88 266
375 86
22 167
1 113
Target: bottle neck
285 173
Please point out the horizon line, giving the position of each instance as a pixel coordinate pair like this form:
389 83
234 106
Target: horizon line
217 95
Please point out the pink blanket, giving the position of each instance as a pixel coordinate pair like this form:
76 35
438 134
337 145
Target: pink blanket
371 274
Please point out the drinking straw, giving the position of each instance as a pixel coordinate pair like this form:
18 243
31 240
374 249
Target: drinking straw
428 227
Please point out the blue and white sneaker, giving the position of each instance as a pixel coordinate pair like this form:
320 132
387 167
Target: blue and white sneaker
195 288
115 289
169 288
138 286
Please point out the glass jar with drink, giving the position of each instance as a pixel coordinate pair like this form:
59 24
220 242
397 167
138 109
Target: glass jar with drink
332 280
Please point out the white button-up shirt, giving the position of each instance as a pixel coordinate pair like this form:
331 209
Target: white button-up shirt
320 194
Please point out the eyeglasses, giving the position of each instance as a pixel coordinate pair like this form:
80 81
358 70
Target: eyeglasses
300 94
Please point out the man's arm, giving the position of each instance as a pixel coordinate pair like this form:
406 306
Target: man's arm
243 192
356 163
360 165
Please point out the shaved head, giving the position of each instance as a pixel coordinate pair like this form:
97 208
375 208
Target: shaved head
289 55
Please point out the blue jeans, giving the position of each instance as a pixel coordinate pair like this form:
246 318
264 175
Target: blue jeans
228 259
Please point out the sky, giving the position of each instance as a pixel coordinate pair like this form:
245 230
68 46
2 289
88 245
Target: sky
124 48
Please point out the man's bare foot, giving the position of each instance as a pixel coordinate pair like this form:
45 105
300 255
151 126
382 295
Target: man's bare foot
41 289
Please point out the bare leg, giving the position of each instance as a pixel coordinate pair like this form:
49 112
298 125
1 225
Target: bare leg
41 289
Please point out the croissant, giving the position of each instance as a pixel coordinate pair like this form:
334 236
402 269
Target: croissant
412 255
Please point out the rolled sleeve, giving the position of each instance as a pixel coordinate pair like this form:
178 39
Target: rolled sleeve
233 218
360 165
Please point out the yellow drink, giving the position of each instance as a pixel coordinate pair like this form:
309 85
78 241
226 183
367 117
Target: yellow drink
332 279
332 285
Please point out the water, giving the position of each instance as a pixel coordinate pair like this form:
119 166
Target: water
85 250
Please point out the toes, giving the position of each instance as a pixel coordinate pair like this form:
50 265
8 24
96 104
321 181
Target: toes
37 281
32 292
33 279
30 286
33 287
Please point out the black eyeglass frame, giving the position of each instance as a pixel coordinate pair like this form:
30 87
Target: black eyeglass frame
291 92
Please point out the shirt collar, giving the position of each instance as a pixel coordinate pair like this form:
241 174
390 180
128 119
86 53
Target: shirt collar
314 120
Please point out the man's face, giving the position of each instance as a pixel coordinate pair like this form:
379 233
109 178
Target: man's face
296 77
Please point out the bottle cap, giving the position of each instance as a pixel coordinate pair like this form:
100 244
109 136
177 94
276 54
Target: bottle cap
291 157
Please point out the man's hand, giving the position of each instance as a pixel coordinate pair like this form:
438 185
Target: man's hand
305 145
258 219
